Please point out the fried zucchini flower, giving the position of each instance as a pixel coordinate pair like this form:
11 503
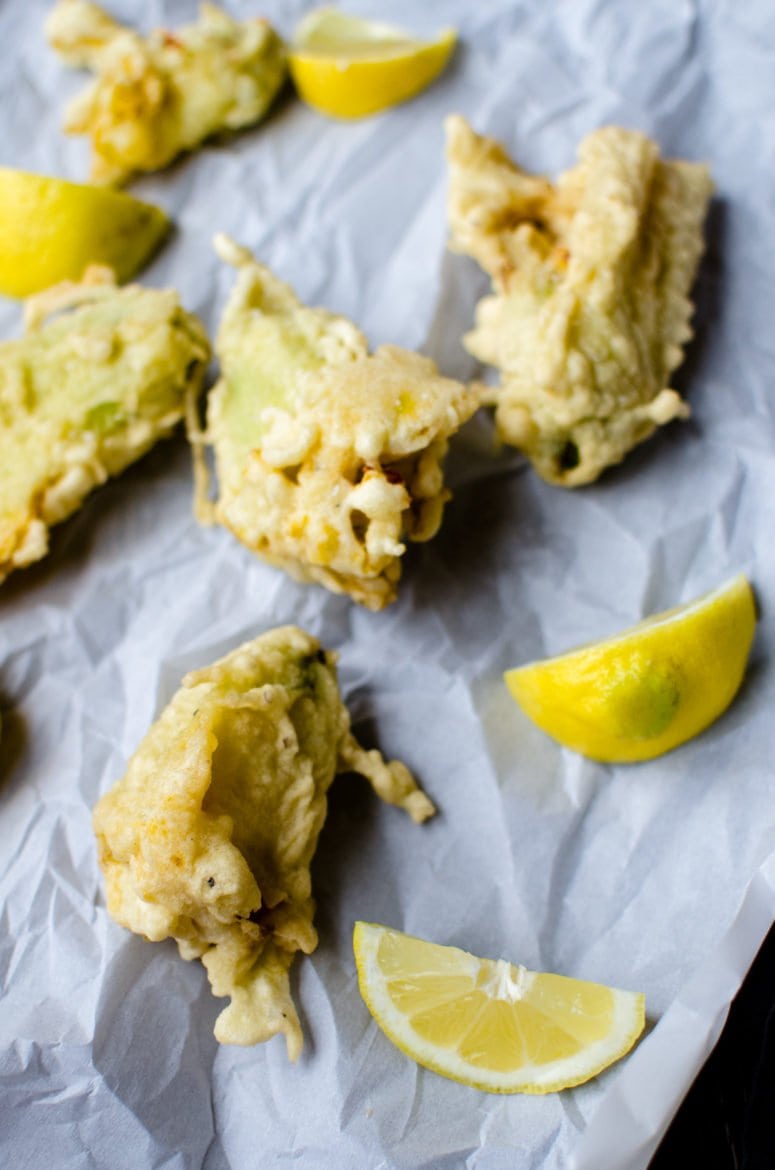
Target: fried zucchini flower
154 97
591 278
209 836
329 458
84 395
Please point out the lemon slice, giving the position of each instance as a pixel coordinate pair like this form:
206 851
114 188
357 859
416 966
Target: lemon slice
349 67
488 1023
51 230
650 688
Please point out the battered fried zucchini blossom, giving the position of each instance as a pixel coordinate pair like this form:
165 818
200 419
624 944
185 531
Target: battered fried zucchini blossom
84 395
209 836
591 280
329 458
154 97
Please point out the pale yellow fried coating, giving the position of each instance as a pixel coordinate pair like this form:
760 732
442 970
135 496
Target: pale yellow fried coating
329 458
209 836
154 97
591 278
85 394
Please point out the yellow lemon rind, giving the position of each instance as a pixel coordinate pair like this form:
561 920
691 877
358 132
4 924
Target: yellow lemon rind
57 228
629 1017
344 85
575 720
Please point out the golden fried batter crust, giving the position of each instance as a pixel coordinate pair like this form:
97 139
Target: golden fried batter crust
85 394
591 278
209 836
329 458
154 97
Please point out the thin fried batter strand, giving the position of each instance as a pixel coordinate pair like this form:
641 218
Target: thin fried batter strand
591 278
157 96
329 458
209 836
84 395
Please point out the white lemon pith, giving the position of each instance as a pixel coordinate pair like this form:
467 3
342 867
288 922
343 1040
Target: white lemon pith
488 1023
51 230
647 690
349 68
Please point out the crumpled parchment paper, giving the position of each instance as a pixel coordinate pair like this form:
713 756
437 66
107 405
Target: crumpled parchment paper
634 876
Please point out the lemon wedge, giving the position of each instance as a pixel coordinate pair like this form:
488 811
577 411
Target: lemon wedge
51 230
488 1023
650 688
348 67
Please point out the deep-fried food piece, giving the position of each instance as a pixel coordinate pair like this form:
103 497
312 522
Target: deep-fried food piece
156 96
209 836
329 458
591 279
84 395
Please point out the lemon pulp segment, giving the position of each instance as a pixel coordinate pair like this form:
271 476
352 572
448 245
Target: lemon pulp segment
488 1023
650 688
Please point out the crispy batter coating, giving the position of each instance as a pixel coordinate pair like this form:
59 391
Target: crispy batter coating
329 458
84 395
209 836
154 97
591 280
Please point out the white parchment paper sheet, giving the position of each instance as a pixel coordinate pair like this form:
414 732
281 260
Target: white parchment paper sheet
632 875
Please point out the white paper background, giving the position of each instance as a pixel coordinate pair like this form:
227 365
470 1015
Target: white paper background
632 876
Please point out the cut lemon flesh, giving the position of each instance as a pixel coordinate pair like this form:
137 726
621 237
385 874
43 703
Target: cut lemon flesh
51 230
650 688
348 67
488 1023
